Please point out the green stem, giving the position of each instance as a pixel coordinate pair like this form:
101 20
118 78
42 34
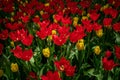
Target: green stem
88 46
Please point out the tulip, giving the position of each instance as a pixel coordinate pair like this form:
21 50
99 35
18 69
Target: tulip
97 50
46 52
54 32
80 45
99 33
14 67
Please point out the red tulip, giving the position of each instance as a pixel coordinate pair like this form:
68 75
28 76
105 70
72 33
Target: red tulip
51 76
18 35
63 30
64 66
36 19
87 25
97 7
58 17
77 34
17 51
27 40
108 53
14 36
85 3
59 40
32 75
94 16
42 33
111 11
22 54
107 22
14 26
97 26
117 52
4 34
8 7
25 19
108 64
66 21
116 27
44 23
27 55
70 70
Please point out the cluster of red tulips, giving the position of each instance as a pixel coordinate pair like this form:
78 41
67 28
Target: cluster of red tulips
59 39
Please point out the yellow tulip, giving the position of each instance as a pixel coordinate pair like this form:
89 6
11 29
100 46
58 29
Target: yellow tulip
81 41
75 23
54 32
99 33
97 50
12 43
11 19
14 67
104 7
88 15
80 45
46 52
12 13
41 12
84 17
46 4
75 19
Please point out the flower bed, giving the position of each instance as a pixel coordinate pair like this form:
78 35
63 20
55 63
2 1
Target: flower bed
59 39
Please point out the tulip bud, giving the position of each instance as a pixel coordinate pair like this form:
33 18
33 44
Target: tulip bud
49 38
24 14
12 43
12 13
11 19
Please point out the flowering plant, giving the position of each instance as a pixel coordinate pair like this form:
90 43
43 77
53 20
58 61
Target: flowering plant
59 39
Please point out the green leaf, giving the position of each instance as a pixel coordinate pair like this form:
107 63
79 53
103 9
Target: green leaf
109 78
42 70
6 76
117 36
91 72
